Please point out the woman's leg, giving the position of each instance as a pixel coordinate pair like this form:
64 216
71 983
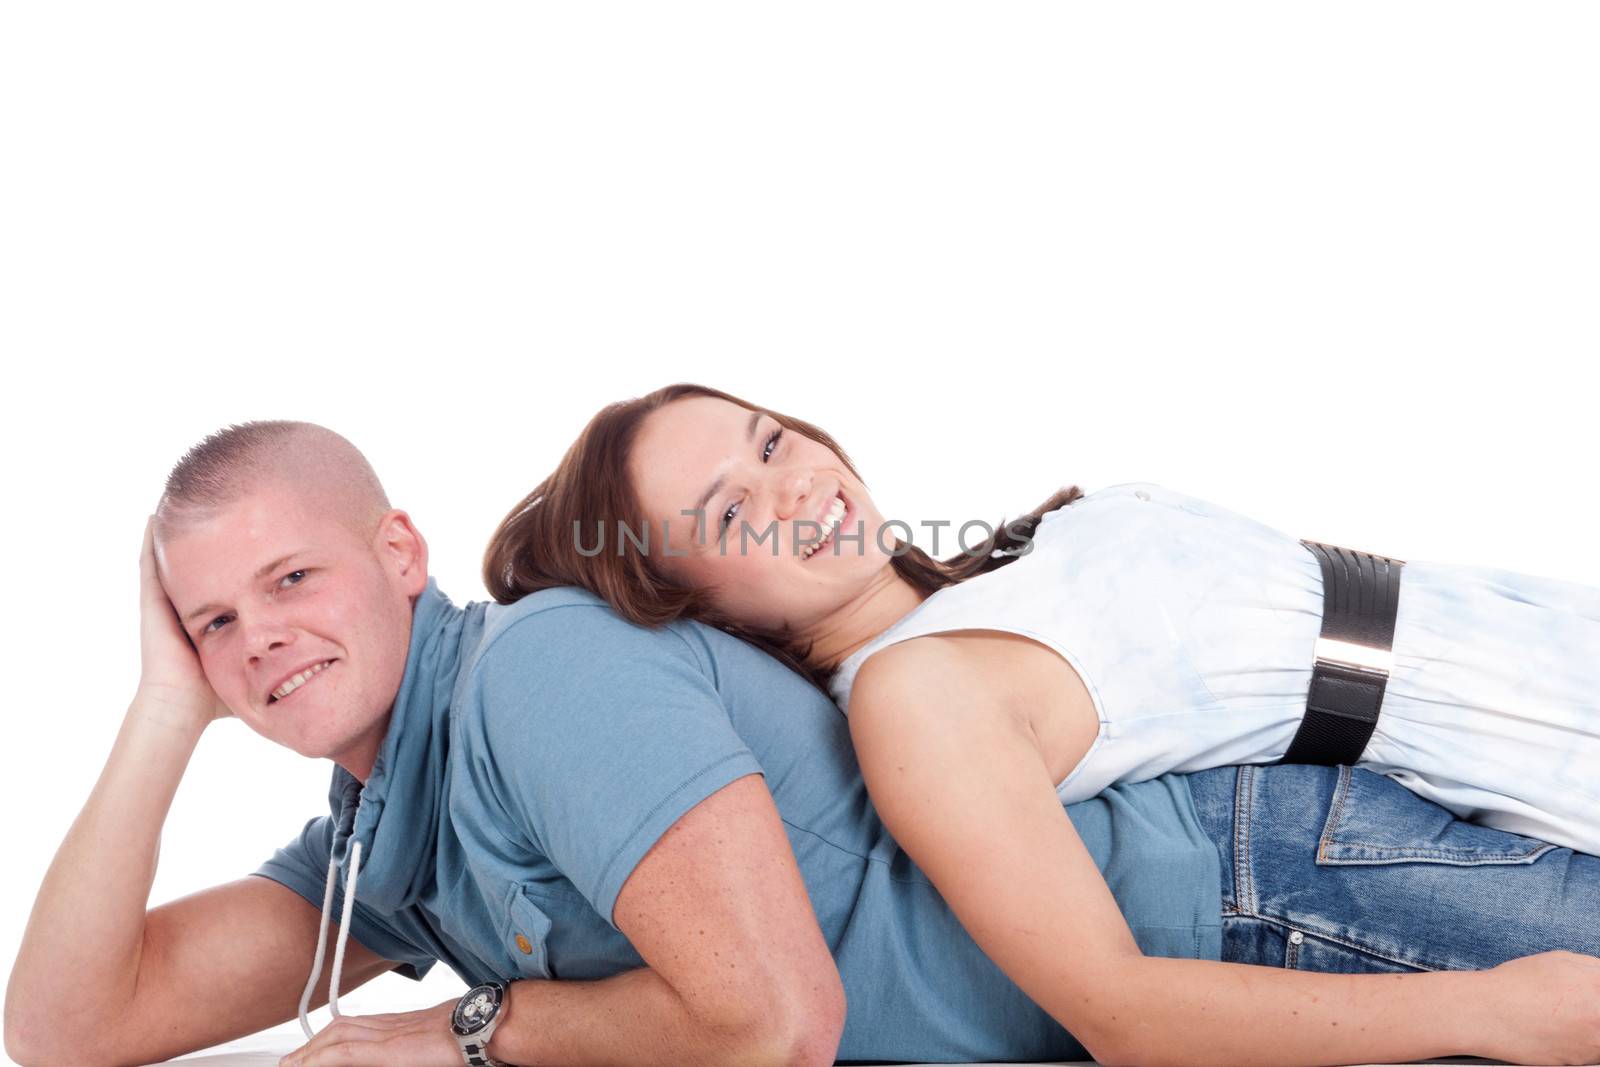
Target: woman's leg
1341 869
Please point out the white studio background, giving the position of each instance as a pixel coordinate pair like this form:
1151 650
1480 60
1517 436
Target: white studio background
1332 266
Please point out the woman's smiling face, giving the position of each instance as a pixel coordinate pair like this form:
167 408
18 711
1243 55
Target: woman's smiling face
741 498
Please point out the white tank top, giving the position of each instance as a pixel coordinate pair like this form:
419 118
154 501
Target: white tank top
1192 627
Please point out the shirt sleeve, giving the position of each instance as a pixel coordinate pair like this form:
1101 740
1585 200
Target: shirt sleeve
302 865
597 735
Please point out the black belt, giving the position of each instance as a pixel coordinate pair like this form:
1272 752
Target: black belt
1360 596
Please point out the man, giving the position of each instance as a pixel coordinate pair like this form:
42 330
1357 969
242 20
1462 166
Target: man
660 839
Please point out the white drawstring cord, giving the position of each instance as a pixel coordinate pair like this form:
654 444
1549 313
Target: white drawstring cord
322 937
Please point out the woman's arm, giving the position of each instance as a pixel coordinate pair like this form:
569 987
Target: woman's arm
960 783
1201 1012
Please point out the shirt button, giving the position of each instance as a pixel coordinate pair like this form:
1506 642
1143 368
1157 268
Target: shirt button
1141 494
525 945
1296 938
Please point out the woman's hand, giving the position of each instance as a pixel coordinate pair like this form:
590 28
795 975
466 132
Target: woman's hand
171 680
1544 1009
401 1039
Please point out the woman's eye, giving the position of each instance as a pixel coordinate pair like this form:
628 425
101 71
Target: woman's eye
766 453
297 575
212 625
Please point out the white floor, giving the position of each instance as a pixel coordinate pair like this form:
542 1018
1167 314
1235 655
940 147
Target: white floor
264 1050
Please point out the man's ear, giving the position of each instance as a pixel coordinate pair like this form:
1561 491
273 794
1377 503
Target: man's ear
400 548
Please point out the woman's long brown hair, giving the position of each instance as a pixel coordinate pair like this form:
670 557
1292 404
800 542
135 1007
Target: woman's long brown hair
536 545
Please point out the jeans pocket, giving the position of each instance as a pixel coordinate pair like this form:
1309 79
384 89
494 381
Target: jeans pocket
1267 943
1372 820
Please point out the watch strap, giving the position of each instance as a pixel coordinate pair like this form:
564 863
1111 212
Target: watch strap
477 1053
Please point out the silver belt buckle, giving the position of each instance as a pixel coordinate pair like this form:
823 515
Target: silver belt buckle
1355 657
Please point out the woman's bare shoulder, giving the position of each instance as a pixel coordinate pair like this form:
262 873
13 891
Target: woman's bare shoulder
959 678
938 666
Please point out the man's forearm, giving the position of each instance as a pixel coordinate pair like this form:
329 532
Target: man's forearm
633 1017
86 930
1201 1012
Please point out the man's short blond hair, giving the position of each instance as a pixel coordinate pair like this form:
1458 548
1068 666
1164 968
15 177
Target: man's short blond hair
233 462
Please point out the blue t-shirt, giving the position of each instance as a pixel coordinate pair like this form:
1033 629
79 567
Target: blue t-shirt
537 751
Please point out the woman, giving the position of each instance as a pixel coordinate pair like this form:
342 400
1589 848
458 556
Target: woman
1110 637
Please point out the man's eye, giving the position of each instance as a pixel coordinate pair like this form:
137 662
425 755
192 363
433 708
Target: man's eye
297 575
212 625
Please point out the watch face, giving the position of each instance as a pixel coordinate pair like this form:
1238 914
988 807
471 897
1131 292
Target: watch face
475 1009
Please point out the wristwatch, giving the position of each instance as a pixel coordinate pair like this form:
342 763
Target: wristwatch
473 1023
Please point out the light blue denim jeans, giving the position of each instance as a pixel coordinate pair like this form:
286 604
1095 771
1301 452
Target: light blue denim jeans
1341 869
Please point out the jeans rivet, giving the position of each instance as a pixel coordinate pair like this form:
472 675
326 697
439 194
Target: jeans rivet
1296 937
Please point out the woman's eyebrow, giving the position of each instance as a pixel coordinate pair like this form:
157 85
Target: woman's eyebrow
716 486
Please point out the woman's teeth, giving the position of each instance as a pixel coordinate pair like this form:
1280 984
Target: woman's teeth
298 680
831 520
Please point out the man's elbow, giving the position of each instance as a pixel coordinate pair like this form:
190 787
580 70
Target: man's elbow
811 1041
1109 1056
35 1036
799 1030
29 1051
39 1040
20 1052
14 1050
20 1044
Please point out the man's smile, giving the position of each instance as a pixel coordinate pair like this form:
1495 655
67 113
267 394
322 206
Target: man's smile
296 680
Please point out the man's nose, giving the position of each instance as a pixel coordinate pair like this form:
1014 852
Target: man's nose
264 635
